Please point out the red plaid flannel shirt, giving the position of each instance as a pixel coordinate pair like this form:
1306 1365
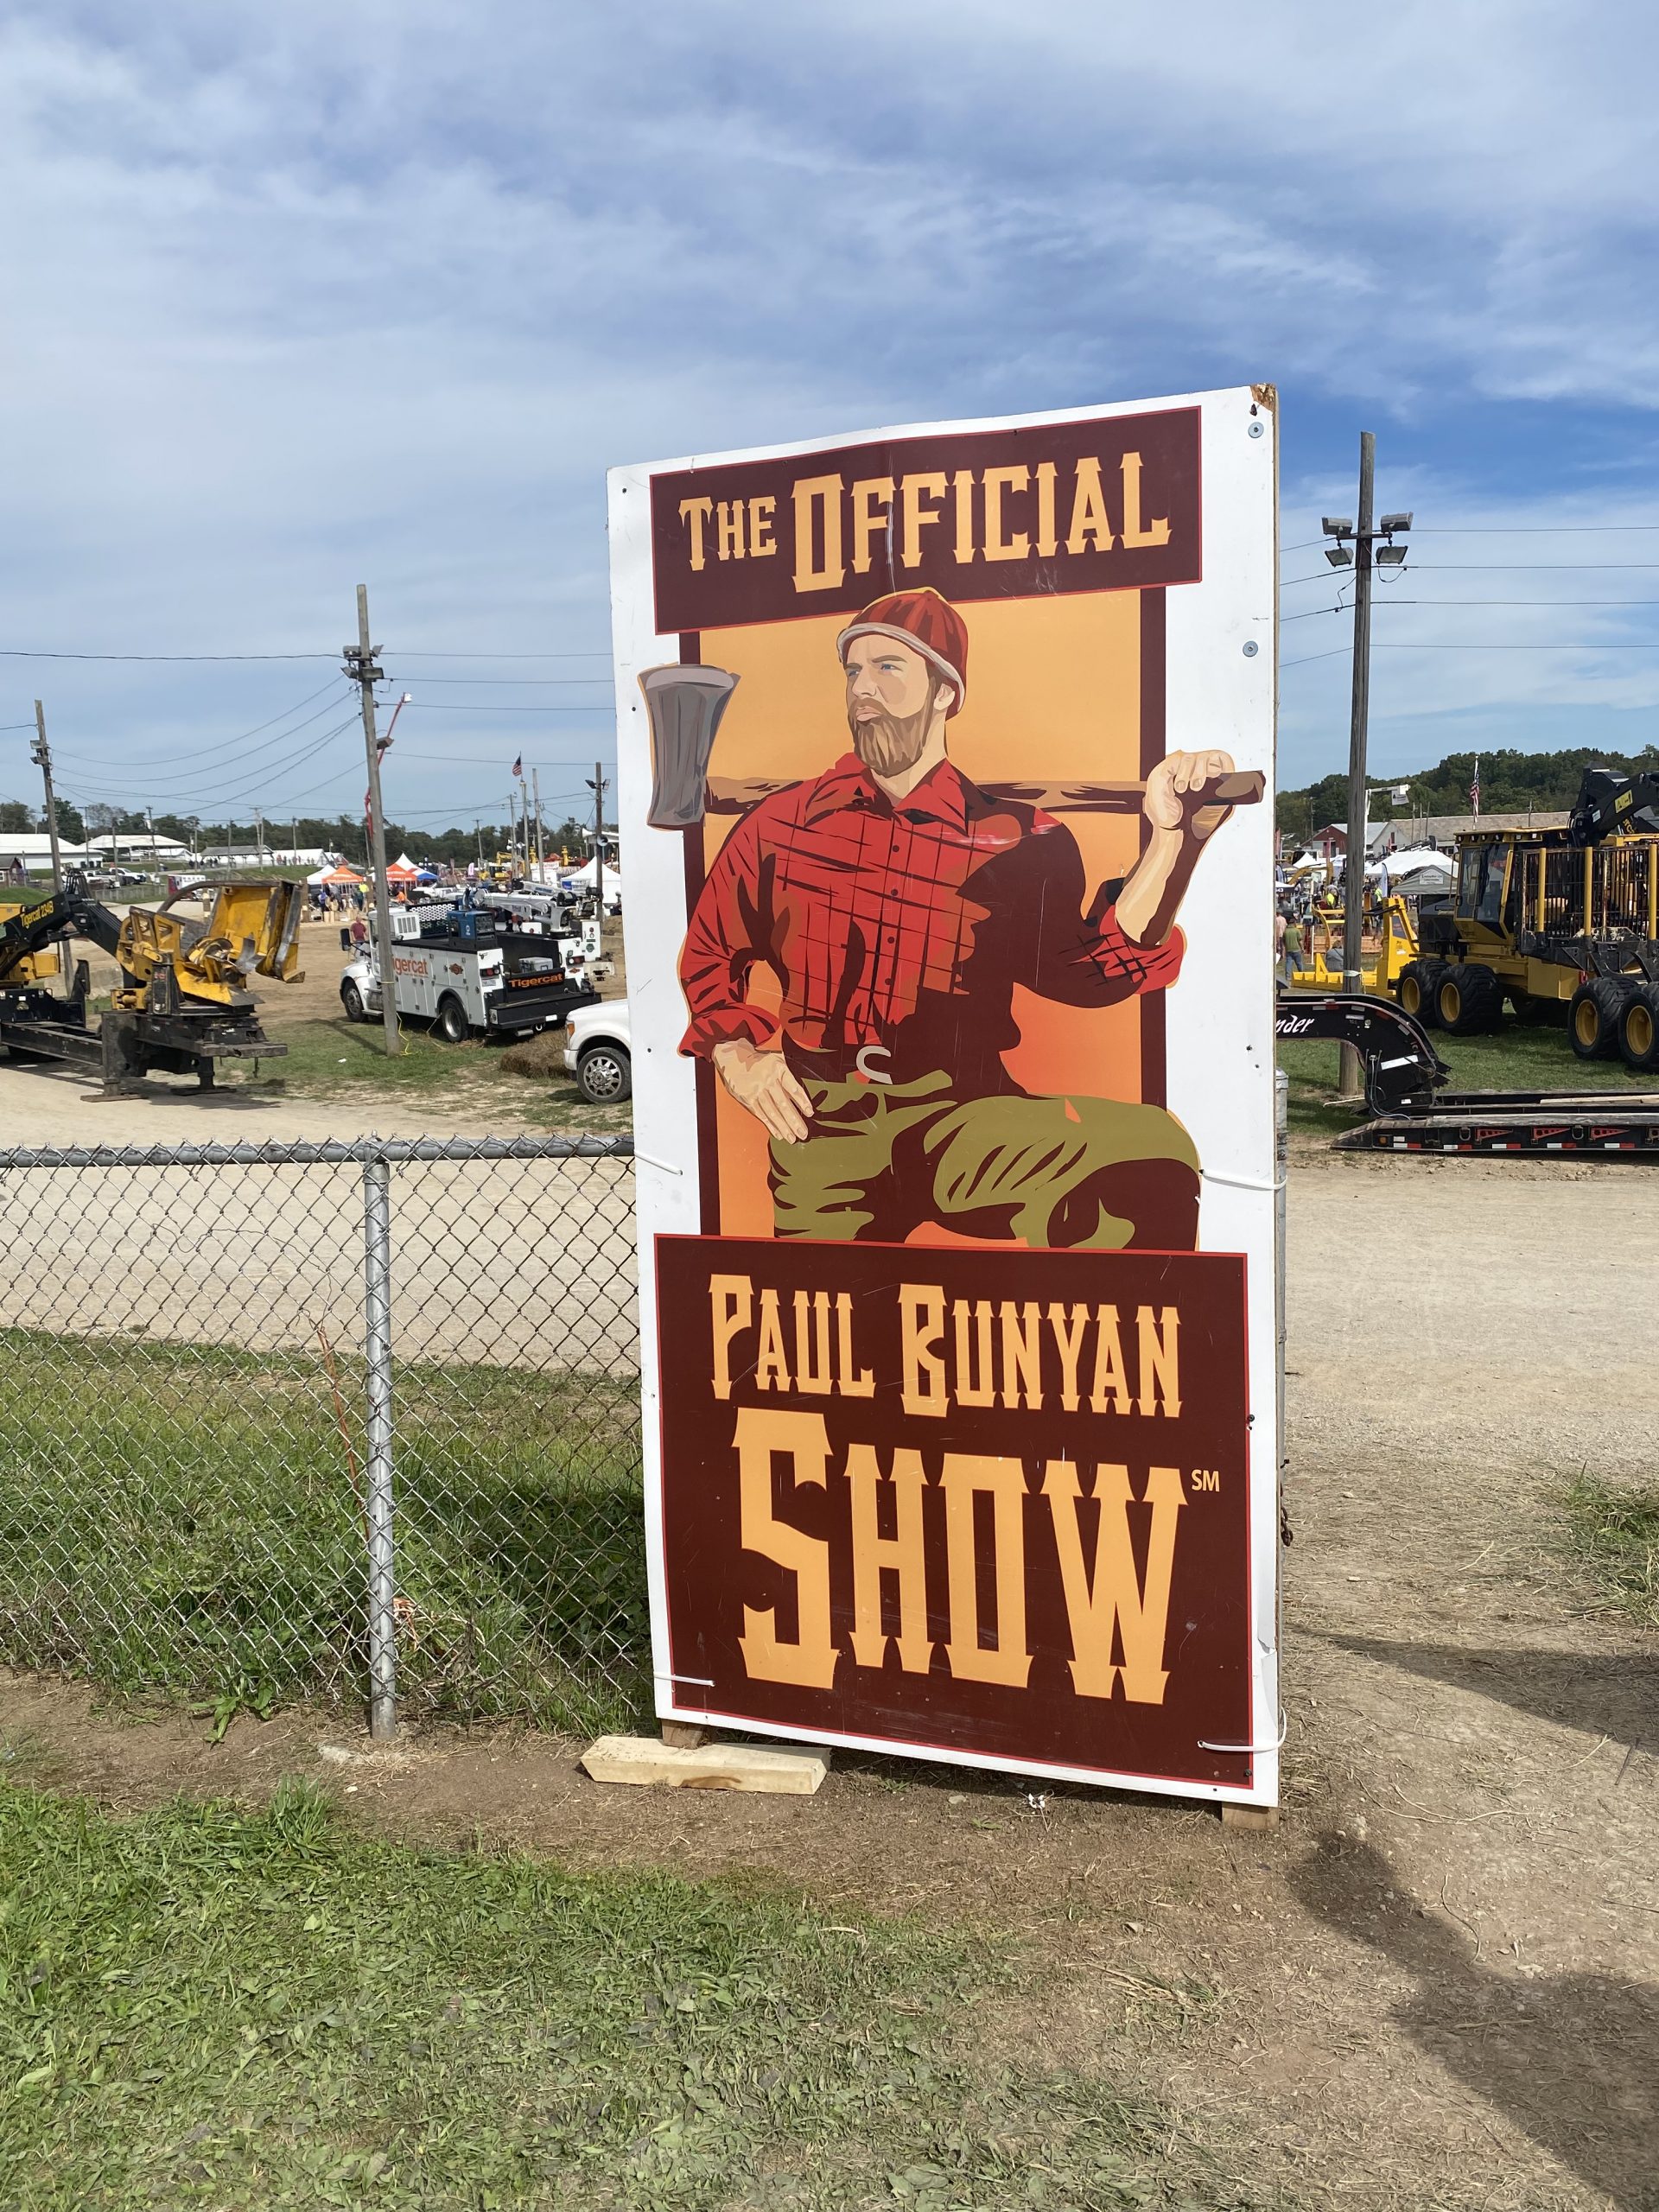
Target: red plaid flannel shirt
880 919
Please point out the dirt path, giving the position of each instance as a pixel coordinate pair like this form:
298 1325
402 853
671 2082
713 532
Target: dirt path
1437 1985
44 1104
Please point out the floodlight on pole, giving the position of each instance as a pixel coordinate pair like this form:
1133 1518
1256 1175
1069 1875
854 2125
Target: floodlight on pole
1390 556
1336 526
1338 557
1390 523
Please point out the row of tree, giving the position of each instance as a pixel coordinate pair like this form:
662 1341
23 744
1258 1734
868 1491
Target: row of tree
342 834
1509 783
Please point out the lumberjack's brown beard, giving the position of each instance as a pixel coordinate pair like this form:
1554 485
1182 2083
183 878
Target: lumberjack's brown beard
889 744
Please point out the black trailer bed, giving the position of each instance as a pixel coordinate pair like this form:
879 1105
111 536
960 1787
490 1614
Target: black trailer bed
1413 1112
1557 1122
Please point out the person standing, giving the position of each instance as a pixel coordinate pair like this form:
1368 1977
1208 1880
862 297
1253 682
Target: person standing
1291 946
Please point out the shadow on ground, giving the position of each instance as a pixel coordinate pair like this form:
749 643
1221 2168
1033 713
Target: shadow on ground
1592 2039
1611 1696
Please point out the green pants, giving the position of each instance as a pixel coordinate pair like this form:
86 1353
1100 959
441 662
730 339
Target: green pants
883 1159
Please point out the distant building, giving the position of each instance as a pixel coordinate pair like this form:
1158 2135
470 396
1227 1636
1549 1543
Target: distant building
141 845
1445 830
25 853
1440 831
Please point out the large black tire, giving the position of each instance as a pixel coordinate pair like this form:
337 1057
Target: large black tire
605 1075
1638 1029
450 1022
1468 999
351 999
1592 1017
1415 990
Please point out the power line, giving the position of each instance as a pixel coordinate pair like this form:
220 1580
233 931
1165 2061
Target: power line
1561 606
1529 529
16 652
519 683
225 795
446 707
1501 529
1502 646
20 652
416 653
1499 568
205 759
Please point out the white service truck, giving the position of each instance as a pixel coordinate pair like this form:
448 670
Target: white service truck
461 972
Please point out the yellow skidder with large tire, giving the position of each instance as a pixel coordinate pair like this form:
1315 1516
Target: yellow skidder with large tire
1544 920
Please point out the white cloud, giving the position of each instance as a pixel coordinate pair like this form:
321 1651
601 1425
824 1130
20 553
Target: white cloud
363 290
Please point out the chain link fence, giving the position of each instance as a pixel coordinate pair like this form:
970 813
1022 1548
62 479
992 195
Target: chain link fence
342 1421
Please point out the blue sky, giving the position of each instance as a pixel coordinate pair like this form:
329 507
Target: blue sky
306 296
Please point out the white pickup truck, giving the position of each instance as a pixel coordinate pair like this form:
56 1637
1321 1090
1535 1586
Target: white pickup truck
598 1051
467 976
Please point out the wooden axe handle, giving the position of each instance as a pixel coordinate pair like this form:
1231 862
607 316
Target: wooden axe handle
1245 787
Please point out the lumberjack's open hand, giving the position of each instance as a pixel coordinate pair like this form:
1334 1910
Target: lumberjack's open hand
1175 799
761 1082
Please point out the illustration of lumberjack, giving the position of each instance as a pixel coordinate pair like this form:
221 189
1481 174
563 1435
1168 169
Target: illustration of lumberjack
899 905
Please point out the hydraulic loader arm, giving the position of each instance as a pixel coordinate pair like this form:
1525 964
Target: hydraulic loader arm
1609 802
28 930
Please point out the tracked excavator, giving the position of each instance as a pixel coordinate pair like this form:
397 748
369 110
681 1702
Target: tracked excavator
184 1001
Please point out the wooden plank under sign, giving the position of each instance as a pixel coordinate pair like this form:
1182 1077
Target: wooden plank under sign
644 1760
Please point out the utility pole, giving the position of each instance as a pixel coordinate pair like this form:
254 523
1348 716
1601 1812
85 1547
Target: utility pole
1353 871
361 669
1365 556
259 836
42 758
536 793
597 785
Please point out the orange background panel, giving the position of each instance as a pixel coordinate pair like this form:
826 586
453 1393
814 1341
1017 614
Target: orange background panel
1054 694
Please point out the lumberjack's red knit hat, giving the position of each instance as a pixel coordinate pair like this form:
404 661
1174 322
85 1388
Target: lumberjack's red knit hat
926 623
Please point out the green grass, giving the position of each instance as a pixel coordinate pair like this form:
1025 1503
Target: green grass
183 1519
342 1059
209 2007
1520 1056
1614 1533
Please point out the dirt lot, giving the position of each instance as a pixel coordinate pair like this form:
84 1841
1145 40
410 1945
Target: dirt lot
1437 1984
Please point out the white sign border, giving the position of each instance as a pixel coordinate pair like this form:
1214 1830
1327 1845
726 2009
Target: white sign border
1221 669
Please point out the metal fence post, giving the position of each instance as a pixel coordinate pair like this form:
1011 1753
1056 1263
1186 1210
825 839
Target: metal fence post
377 1346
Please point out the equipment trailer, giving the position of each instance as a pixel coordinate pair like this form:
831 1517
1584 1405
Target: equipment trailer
182 1005
1411 1110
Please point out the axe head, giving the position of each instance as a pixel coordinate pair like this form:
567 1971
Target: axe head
685 702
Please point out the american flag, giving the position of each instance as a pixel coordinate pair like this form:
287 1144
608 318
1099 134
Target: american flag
519 767
1474 789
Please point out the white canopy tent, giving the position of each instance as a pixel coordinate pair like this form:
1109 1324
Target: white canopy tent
1412 861
584 879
